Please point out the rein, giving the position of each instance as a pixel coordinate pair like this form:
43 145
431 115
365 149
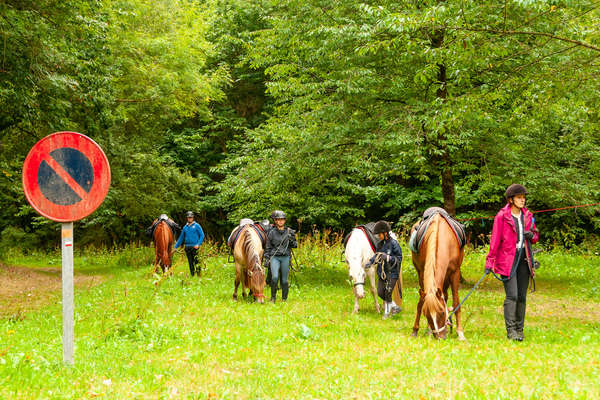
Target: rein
449 317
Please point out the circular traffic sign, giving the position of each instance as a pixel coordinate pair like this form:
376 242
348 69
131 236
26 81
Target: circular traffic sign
66 176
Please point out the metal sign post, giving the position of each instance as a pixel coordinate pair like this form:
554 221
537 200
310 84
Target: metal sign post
66 176
67 291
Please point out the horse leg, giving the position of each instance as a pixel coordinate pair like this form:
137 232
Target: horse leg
235 288
356 306
237 281
419 308
455 303
244 287
371 273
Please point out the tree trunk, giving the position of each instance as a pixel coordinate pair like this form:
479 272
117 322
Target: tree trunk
448 187
446 164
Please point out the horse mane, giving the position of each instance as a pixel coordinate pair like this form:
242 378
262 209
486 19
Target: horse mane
431 303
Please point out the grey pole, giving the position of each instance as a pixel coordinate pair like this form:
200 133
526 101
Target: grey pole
67 291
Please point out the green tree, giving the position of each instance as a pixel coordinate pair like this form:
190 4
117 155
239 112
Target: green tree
386 108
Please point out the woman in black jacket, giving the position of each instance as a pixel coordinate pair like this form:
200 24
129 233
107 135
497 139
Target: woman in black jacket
280 242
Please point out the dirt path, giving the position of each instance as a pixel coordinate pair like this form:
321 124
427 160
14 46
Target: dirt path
24 289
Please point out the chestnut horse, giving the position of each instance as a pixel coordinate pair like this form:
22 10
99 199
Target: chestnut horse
163 242
247 253
438 266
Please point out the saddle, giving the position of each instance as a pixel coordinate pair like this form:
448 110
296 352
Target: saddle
258 227
368 230
416 238
175 229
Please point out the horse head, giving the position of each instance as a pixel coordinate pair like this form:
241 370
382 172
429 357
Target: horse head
256 282
434 309
357 276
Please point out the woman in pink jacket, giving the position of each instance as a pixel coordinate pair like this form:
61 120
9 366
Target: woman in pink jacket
511 257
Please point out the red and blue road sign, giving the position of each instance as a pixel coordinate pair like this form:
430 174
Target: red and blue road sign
66 176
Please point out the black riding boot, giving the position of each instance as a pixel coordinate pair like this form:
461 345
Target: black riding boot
510 319
273 291
285 288
520 319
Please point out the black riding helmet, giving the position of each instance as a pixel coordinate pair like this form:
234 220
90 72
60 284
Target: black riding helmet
514 190
381 227
189 214
277 214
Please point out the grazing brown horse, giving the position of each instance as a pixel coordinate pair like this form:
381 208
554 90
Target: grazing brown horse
163 242
438 265
247 253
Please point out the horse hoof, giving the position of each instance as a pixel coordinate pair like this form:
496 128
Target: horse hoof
234 297
461 337
414 334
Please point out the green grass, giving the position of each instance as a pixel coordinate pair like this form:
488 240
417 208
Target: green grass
186 338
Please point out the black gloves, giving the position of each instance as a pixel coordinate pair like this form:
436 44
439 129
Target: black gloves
528 235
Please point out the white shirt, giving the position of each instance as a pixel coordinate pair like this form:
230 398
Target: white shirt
519 225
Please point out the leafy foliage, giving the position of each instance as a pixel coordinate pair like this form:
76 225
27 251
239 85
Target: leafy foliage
336 111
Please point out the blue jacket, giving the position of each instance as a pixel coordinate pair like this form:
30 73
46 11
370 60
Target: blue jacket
392 268
191 235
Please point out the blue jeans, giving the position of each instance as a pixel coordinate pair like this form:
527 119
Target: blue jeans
280 264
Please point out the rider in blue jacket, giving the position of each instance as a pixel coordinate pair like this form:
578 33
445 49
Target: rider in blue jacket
192 237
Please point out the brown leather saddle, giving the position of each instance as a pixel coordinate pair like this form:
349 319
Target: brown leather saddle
416 238
262 234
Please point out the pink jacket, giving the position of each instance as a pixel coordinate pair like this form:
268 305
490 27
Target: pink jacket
504 241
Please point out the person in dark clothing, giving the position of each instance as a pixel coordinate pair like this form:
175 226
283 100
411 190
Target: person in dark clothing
280 242
191 237
511 256
388 259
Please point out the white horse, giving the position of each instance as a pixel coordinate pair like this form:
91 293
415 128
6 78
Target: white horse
358 252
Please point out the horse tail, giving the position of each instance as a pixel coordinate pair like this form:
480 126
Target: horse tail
250 252
431 303
162 242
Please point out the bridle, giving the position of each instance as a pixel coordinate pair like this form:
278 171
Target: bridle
438 330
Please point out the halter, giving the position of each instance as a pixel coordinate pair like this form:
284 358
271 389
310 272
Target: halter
359 283
438 330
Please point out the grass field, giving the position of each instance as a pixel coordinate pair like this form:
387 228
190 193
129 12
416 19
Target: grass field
182 337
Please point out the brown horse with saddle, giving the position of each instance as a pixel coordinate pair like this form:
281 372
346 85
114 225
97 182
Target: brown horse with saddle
437 245
162 232
163 244
247 243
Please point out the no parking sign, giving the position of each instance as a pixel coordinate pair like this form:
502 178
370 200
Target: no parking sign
66 176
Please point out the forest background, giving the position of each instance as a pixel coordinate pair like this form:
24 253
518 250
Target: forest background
338 112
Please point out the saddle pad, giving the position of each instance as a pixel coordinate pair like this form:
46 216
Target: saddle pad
416 238
236 233
368 230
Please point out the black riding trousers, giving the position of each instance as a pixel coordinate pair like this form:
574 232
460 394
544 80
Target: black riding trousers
516 296
191 254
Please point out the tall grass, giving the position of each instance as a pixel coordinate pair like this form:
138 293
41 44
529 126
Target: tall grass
183 337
